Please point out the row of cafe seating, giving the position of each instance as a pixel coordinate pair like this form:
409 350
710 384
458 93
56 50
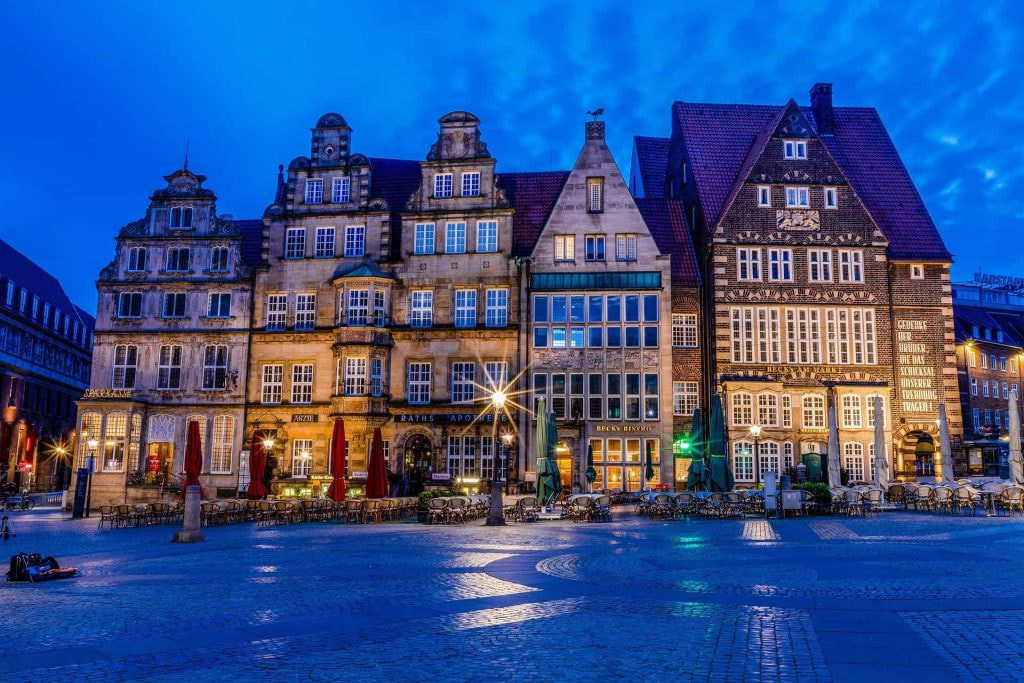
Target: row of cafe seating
457 509
961 497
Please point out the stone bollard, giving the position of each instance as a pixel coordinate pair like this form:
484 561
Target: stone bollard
191 531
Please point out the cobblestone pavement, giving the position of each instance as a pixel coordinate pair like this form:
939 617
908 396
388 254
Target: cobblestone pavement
902 597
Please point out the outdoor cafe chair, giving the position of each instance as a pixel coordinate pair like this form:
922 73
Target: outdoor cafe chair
685 504
210 514
714 505
942 499
603 508
854 502
923 498
661 507
734 503
457 510
897 495
1011 499
528 509
579 509
437 510
964 498
872 500
352 511
124 516
107 513
373 511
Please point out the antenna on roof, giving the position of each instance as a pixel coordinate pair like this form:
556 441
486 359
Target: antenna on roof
187 141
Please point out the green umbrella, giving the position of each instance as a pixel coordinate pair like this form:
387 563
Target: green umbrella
720 476
555 482
716 439
697 474
549 483
649 471
591 473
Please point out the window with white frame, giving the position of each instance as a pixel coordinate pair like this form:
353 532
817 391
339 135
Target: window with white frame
984 388
302 383
916 271
764 195
769 335
180 218
376 377
442 185
565 247
780 265
742 409
495 375
797 198
851 265
380 308
471 184
837 335
594 250
220 305
463 382
324 246
305 311
465 308
179 259
794 149
136 264
215 367
424 238
418 381
487 458
355 241
595 195
787 412
168 369
114 442
272 383
819 265
742 328
984 361
831 198
355 376
496 308
455 238
126 362
487 237
174 305
862 324
222 444
748 264
302 457
295 243
219 259
684 330
277 311
684 398
853 460
803 335
314 190
341 190
358 310
422 308
974 386
769 458
743 460
814 411
625 247
767 410
851 410
462 457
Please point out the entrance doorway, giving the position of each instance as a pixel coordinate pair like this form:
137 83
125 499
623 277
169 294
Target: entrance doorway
158 462
419 459
919 454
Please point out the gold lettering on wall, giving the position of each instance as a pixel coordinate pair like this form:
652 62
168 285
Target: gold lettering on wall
915 370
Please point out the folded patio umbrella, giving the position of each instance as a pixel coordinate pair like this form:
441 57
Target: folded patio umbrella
556 476
591 473
649 469
257 463
835 476
718 469
193 456
1016 459
881 464
720 477
946 454
336 492
376 478
717 439
697 475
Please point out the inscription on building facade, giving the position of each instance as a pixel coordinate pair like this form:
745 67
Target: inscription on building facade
916 371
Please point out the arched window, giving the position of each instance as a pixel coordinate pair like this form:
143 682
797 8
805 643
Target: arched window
853 460
742 408
223 441
113 444
814 411
851 411
768 410
89 430
743 460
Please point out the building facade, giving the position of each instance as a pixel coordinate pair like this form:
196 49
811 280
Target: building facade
171 347
45 356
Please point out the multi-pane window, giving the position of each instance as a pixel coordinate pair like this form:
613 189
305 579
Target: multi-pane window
819 265
180 218
742 327
223 441
743 460
862 324
794 149
302 457
355 241
220 305
595 195
273 381
302 383
748 264
495 375
814 411
462 456
853 460
684 330
565 247
295 243
215 366
314 190
471 184
831 198
136 264
455 238
625 247
174 305
496 308
418 378
872 400
179 259
797 198
974 386
487 236
114 442
380 310
422 314
277 311
168 369
684 398
780 265
126 361
442 185
323 247
742 409
463 382
358 307
465 308
341 190
851 265
424 238
764 195
355 376
376 377
787 412
803 335
219 259
594 248
851 410
767 409
305 311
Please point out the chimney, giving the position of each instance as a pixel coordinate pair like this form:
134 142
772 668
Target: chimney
821 106
595 130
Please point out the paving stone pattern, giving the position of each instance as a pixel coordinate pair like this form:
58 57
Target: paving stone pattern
903 597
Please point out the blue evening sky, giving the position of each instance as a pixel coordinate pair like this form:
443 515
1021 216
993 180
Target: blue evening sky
100 97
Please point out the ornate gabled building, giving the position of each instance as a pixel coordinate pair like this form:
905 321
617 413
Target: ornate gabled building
171 346
322 325
825 280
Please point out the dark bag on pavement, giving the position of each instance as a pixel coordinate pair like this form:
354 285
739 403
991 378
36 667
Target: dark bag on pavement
34 567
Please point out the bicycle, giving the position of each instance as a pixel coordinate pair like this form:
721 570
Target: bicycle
22 502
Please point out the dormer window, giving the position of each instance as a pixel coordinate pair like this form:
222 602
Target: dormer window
764 195
314 190
470 184
794 149
181 218
595 195
797 198
341 190
442 185
916 271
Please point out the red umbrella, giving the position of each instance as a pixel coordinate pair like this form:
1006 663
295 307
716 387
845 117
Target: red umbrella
193 456
376 478
338 457
30 443
257 463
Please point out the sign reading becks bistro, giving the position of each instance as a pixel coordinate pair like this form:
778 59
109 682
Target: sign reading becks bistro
916 371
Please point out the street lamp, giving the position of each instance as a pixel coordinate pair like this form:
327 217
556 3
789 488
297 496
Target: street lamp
496 516
755 433
90 465
506 440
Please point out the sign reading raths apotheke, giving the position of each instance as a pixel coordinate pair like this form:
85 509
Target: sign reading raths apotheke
915 369
450 418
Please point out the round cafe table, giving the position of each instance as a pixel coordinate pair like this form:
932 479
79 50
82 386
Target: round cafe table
988 500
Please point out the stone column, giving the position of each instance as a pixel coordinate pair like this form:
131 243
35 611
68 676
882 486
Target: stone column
191 531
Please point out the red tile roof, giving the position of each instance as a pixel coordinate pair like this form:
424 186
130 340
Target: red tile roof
666 221
533 196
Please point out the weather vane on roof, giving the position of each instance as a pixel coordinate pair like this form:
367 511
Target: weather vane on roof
597 113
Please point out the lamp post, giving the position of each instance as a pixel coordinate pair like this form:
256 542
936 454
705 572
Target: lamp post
268 445
755 433
496 516
90 465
